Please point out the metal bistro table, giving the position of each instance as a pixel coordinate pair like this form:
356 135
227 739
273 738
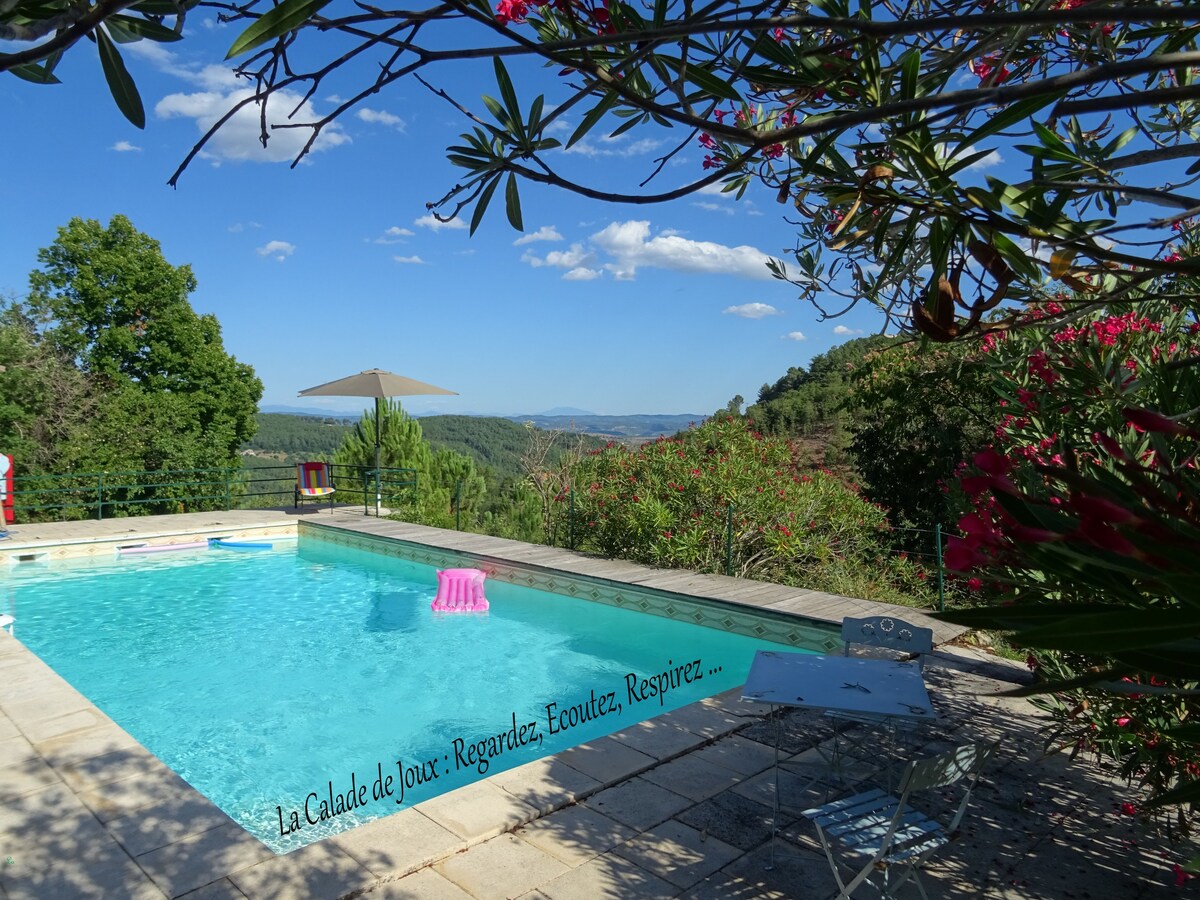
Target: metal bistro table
869 687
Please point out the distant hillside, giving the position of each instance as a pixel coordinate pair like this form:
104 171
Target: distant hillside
647 426
493 442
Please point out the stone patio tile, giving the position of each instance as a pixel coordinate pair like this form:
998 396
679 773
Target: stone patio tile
15 750
678 853
59 723
399 843
218 890
658 739
744 756
608 877
116 765
546 784
320 871
501 868
478 811
789 874
26 777
200 859
575 834
424 885
693 777
709 721
47 697
60 850
127 795
8 728
733 819
606 760
85 876
731 702
638 803
797 791
84 743
166 822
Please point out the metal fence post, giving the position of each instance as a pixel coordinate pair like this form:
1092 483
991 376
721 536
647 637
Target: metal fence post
227 503
571 518
729 541
458 505
937 536
99 496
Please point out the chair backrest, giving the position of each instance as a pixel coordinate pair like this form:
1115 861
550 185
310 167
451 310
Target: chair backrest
888 632
945 769
312 475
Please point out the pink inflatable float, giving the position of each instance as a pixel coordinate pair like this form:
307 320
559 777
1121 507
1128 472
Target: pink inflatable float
460 590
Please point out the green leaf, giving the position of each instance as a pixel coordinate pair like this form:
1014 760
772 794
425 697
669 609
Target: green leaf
120 83
36 73
288 15
512 203
484 199
594 115
708 82
163 7
1110 632
145 28
510 100
910 71
1188 793
1011 115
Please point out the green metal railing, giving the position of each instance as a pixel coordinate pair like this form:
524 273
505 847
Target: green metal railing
99 495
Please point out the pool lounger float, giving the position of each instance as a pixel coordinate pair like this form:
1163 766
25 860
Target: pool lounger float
222 544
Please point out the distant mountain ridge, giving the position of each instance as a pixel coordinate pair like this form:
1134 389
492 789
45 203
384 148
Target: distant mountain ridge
647 426
558 419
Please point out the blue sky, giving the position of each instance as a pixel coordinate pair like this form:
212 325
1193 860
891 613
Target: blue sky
334 266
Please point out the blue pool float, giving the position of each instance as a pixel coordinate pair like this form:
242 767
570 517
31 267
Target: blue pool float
222 544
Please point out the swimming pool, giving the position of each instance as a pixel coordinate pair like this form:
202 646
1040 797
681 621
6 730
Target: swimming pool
309 689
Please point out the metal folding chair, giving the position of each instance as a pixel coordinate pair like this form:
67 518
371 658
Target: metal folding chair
881 733
873 833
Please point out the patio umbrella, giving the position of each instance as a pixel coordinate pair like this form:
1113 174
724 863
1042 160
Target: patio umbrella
378 384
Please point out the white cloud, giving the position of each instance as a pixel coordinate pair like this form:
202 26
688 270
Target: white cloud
239 139
432 222
410 260
239 227
572 258
582 274
631 246
393 235
125 147
545 233
713 207
843 330
795 336
753 310
379 117
281 250
621 145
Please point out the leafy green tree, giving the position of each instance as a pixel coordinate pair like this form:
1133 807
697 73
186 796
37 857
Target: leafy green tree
915 417
106 299
403 446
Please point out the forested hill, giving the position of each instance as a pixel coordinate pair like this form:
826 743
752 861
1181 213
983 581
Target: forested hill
808 401
493 442
645 426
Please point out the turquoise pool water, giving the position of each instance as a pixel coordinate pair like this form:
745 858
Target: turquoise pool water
290 685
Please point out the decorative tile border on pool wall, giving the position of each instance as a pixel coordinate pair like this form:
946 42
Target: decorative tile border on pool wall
781 628
107 546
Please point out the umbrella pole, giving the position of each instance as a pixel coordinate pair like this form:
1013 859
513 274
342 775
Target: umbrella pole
378 492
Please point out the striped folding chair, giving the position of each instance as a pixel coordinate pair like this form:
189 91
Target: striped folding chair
313 482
